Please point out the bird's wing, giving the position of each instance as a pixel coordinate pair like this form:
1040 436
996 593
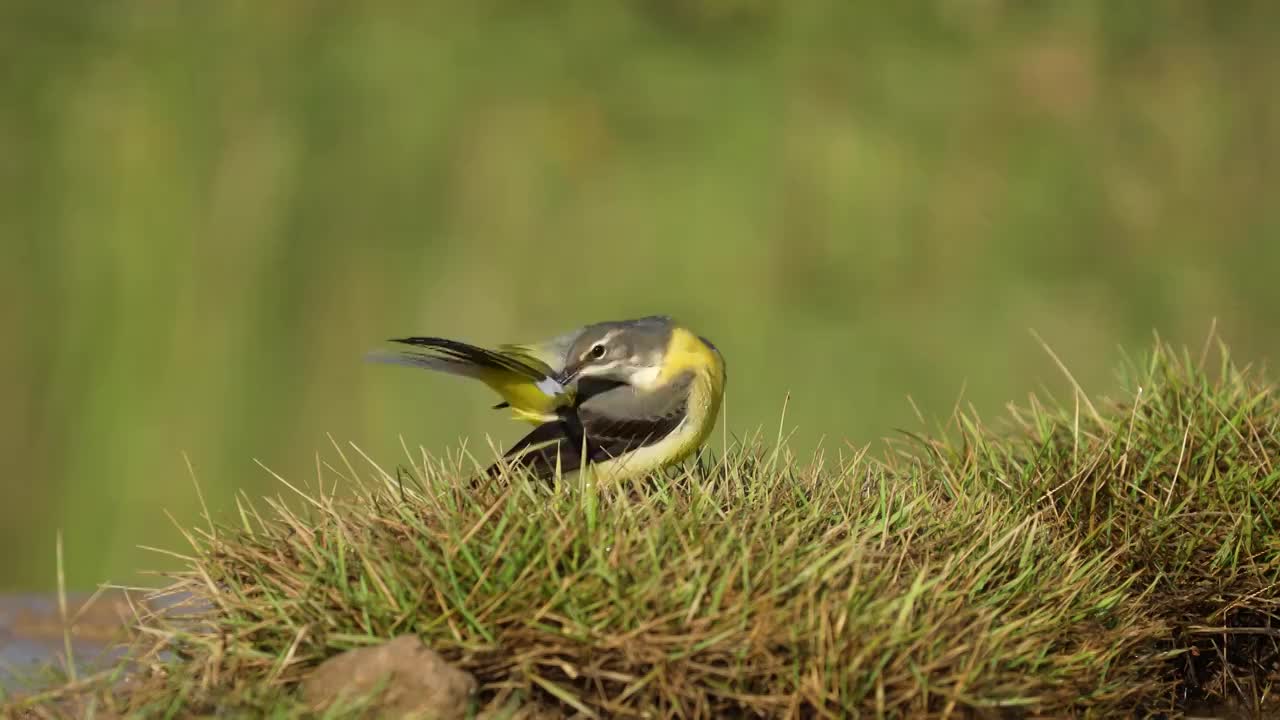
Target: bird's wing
559 441
608 423
621 419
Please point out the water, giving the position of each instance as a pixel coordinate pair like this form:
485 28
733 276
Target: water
32 649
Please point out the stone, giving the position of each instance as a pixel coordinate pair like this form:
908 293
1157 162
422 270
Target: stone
416 681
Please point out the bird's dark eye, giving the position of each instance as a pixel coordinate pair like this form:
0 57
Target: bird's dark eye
597 352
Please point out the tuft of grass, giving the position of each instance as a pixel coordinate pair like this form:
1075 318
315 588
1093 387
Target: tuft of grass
1092 559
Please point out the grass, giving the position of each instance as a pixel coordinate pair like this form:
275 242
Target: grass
1078 558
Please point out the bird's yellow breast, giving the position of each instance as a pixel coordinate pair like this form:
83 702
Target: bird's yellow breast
686 351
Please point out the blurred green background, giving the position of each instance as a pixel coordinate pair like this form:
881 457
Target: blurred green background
211 211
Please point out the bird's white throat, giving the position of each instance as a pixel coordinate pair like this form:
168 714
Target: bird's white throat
647 378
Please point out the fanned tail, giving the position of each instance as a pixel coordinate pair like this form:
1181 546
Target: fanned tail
429 362
526 383
455 351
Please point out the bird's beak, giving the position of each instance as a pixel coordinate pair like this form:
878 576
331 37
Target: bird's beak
569 374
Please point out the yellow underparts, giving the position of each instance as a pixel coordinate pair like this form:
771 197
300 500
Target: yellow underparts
528 402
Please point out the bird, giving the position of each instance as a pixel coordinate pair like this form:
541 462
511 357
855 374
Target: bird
615 399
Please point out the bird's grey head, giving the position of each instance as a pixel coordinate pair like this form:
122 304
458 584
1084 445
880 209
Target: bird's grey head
626 351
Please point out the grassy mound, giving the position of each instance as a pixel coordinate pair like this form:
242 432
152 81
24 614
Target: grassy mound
1083 560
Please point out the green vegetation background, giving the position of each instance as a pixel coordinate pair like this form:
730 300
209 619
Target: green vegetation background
211 211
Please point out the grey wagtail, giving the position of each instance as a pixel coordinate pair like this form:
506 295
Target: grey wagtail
619 398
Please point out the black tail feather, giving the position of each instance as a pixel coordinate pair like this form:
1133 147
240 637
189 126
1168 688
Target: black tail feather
465 352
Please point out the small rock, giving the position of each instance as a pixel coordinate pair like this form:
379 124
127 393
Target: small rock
418 681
